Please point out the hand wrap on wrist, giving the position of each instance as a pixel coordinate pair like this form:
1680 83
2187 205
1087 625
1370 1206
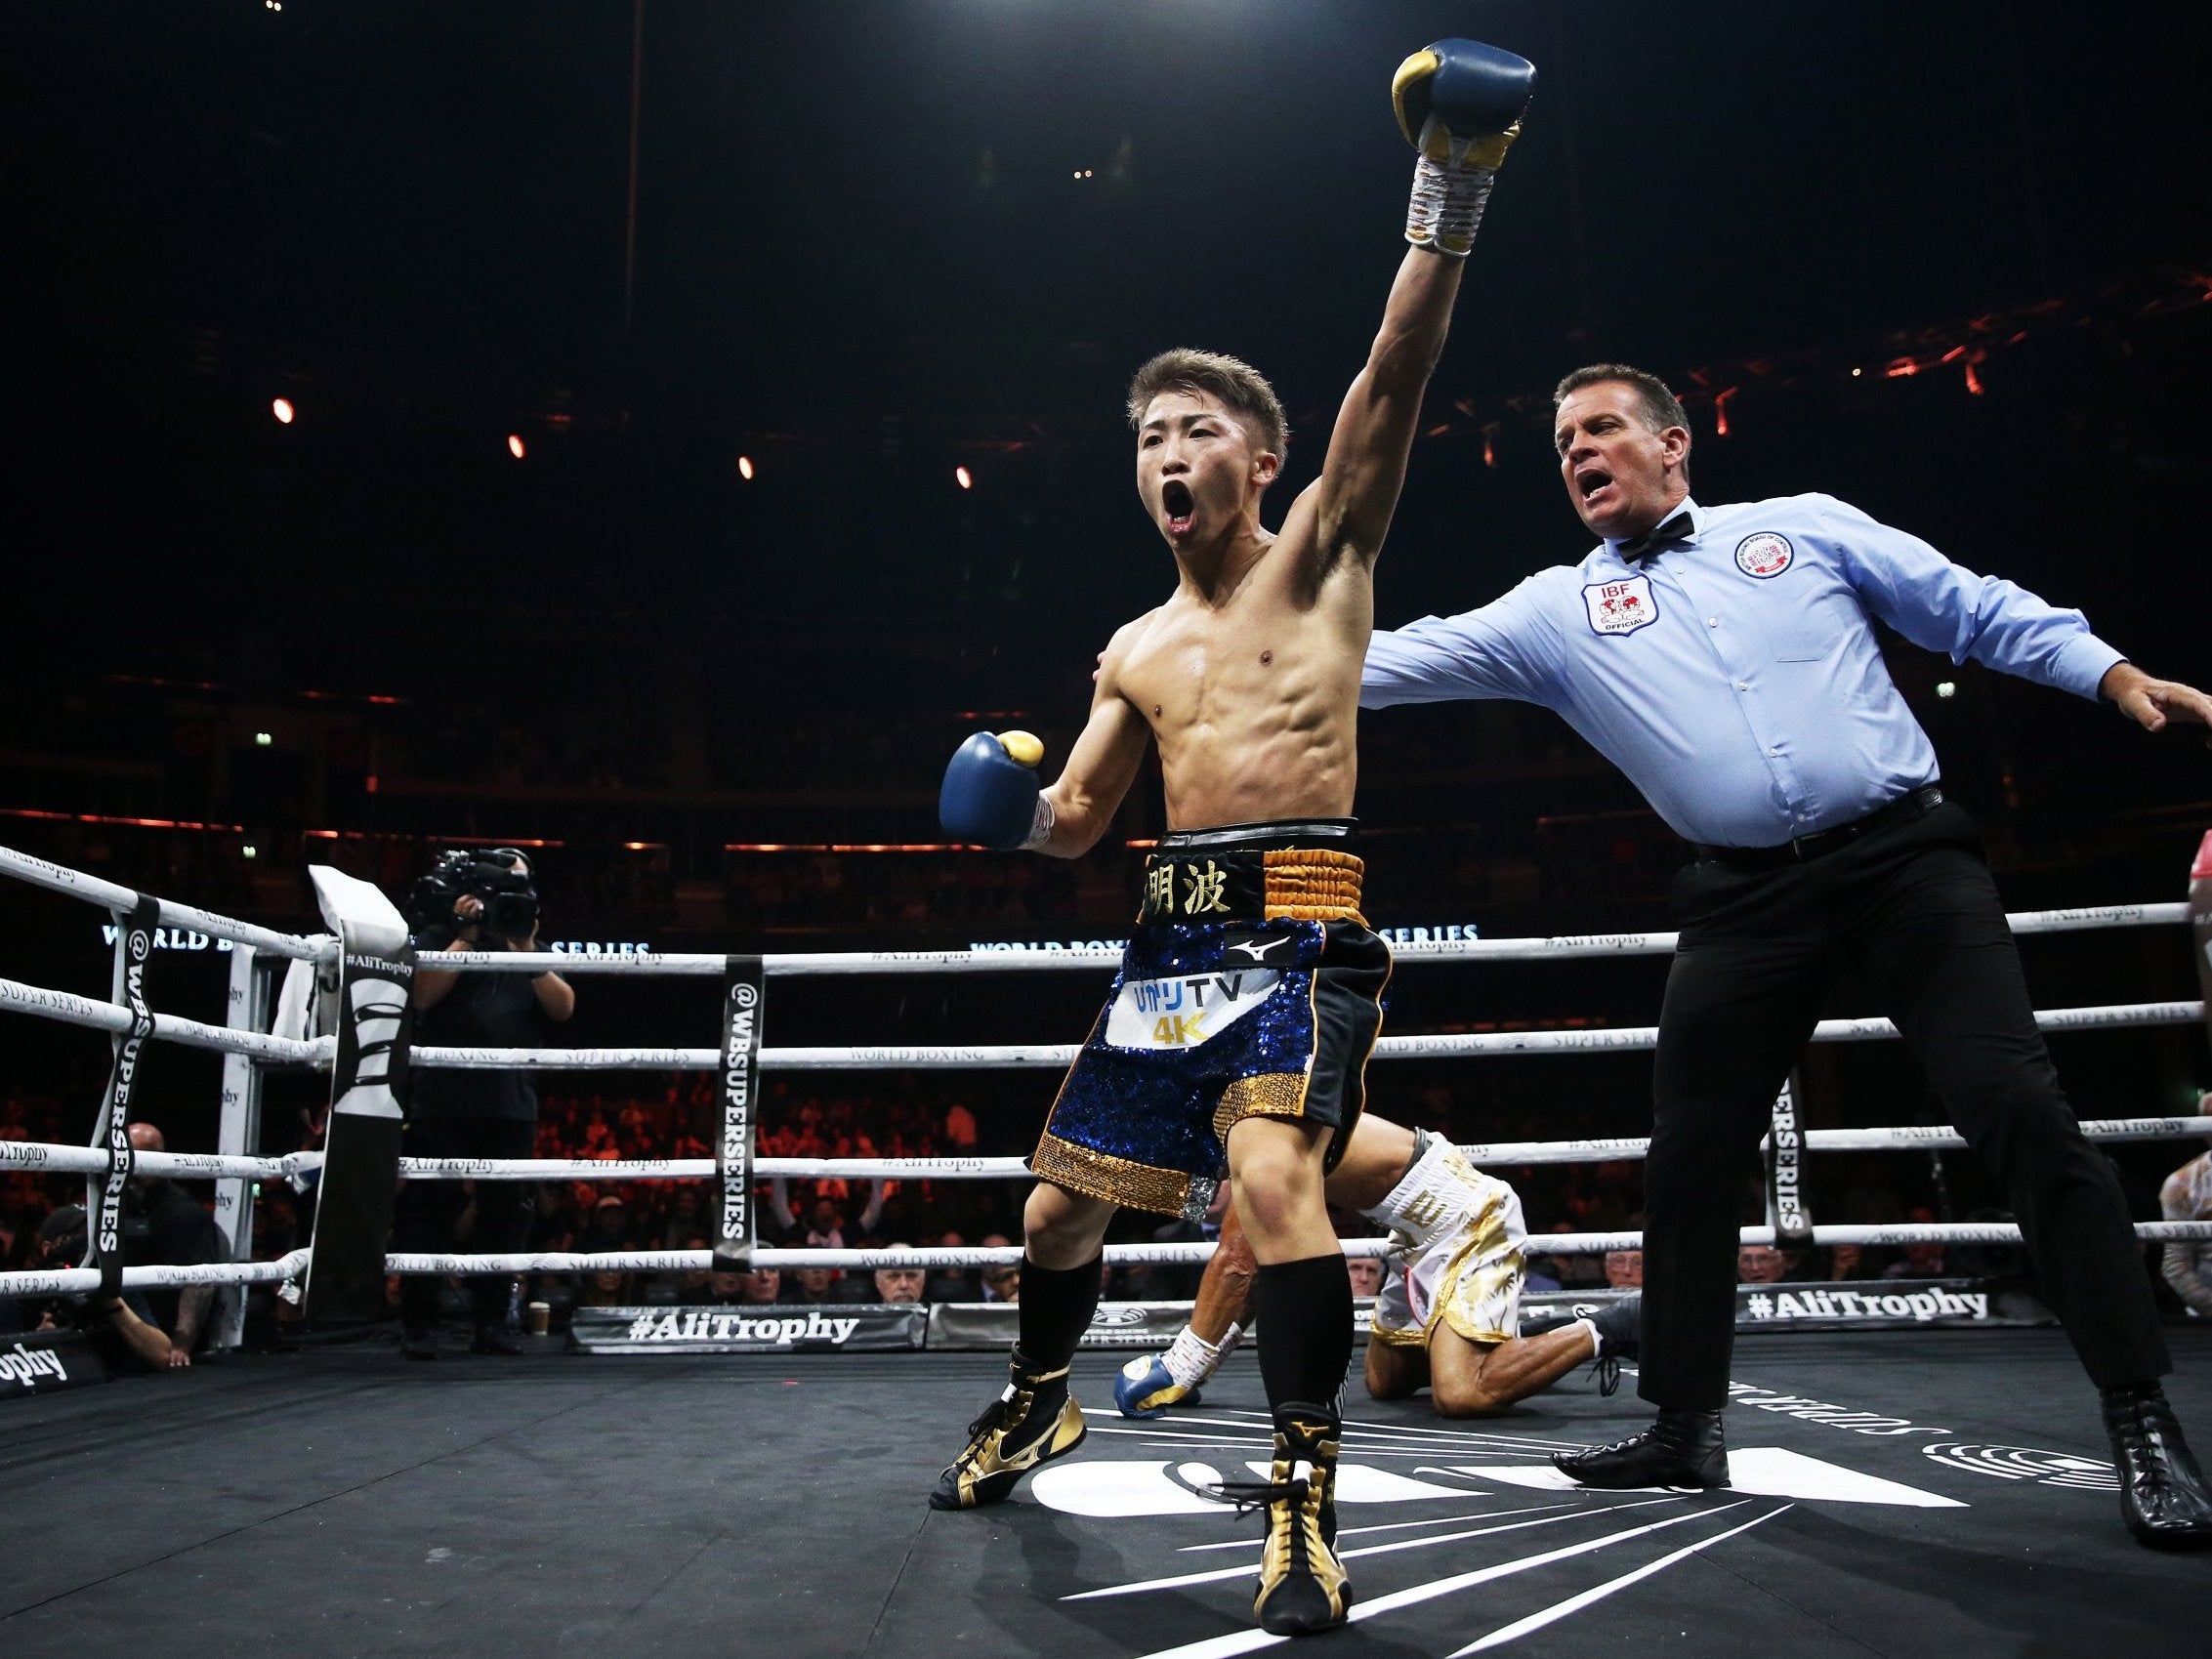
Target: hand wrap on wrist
1040 827
1448 198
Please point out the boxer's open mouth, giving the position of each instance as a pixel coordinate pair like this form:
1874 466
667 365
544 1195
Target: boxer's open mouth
1175 501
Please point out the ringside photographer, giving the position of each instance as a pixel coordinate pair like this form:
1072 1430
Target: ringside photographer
472 901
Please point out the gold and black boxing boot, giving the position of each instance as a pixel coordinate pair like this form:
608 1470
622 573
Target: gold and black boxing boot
1033 1423
1303 1586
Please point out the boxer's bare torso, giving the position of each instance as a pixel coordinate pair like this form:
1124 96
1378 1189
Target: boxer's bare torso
1248 676
1248 679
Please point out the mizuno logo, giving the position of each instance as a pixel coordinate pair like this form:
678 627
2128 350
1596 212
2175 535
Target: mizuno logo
1258 950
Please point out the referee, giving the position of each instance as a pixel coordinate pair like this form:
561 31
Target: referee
1725 658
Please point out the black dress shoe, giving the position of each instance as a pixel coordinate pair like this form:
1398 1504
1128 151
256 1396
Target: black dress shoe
419 1344
1683 1448
495 1339
1621 1325
2162 1494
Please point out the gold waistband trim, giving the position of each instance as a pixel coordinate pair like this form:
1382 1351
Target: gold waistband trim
1312 884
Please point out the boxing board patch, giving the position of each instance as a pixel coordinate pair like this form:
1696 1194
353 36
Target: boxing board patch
1621 607
1764 555
1185 1012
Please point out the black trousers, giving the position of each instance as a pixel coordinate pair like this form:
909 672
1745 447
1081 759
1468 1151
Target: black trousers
427 1209
1912 909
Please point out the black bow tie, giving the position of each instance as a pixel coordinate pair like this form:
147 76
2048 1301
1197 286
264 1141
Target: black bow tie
1638 548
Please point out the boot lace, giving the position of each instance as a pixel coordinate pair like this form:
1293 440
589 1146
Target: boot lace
996 1416
1631 1443
1250 1495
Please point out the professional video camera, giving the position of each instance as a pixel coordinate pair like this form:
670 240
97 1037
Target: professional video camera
510 900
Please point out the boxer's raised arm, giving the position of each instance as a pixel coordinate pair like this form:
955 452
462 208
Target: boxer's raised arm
1357 491
1459 105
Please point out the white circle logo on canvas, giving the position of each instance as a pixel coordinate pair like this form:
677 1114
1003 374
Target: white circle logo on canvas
2029 1463
1764 555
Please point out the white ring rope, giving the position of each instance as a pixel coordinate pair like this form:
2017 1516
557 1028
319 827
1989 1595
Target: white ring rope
60 878
703 1169
56 1159
1900 1138
1190 1254
845 962
73 1010
1004 1056
1935 1137
53 1159
78 1280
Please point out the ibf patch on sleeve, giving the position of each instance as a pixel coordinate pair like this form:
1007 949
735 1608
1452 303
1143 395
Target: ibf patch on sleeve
1620 606
1764 555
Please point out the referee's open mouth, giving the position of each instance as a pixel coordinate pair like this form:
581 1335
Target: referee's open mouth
1591 484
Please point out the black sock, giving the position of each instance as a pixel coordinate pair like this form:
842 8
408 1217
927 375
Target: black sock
1056 1308
1304 1312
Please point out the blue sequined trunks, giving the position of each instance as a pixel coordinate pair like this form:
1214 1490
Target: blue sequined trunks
1251 987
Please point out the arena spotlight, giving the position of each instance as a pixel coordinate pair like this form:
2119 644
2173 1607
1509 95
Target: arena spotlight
1946 688
262 739
745 468
515 446
963 477
282 411
249 851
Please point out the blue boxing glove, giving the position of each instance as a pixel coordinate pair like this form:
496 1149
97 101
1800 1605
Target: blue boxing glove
1459 103
991 794
1147 1388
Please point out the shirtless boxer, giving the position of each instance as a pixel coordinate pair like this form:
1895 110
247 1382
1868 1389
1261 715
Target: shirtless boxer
1448 1317
1249 995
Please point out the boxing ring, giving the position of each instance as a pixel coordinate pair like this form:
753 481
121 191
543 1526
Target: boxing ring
1916 1490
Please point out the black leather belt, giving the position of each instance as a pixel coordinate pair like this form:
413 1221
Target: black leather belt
1904 809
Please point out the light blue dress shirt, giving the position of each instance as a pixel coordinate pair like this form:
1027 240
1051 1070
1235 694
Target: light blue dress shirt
1734 677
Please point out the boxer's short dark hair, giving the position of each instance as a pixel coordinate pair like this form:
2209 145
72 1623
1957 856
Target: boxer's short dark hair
1661 407
1235 382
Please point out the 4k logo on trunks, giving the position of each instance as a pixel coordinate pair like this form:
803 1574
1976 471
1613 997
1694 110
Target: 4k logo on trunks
1185 1012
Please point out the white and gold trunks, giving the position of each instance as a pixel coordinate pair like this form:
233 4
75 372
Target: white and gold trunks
1464 1260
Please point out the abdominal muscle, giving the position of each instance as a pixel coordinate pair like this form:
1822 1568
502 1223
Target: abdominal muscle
1254 742
1253 697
